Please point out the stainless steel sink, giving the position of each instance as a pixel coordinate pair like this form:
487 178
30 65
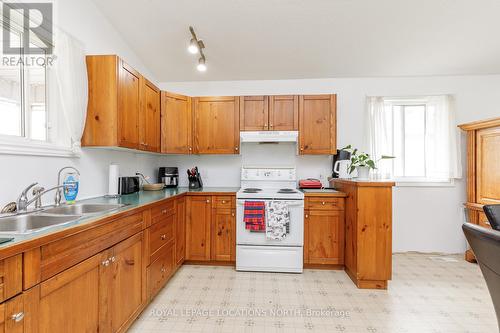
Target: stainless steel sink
82 209
28 223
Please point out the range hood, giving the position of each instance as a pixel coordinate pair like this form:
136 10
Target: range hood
269 136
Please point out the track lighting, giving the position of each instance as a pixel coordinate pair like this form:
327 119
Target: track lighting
196 46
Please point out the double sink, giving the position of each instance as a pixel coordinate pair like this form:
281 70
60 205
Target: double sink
51 216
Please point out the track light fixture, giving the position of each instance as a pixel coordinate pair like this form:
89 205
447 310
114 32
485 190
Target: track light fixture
196 46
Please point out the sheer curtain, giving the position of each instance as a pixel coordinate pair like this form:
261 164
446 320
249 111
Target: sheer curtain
70 78
441 143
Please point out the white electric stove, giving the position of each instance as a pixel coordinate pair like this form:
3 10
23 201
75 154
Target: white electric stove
254 252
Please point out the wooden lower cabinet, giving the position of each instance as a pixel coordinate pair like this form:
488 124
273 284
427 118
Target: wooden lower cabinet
198 224
325 237
180 232
223 234
161 268
18 314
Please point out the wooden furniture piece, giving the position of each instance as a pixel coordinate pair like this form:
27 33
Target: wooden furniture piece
223 229
176 124
317 124
123 107
368 231
483 170
269 113
324 230
216 125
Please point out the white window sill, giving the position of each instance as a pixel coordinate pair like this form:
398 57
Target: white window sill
21 146
424 183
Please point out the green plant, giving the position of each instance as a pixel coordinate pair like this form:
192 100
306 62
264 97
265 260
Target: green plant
361 159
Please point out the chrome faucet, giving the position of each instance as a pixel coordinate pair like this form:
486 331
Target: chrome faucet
22 201
57 199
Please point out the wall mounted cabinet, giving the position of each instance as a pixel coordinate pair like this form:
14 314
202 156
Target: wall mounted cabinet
176 124
269 113
123 107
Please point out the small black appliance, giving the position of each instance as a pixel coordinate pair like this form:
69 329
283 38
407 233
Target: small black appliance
128 185
168 176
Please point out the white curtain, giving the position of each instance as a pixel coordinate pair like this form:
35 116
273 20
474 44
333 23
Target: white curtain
70 73
442 146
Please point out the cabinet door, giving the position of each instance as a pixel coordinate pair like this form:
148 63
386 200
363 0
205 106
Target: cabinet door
128 106
223 234
71 300
161 268
176 124
317 124
198 212
216 125
180 231
126 284
284 113
488 166
325 237
254 113
149 120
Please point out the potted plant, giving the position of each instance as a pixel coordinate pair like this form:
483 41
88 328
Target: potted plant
362 162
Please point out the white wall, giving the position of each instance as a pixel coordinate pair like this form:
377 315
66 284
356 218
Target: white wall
425 219
83 20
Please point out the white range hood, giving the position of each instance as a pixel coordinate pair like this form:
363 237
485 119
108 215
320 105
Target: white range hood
269 136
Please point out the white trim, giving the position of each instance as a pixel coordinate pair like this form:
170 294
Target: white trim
23 146
425 183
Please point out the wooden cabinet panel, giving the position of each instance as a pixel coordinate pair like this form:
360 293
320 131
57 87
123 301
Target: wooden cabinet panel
325 234
11 276
13 316
161 233
125 276
149 120
488 166
129 98
216 125
317 124
78 285
322 203
162 211
176 124
224 202
161 269
284 113
223 234
254 113
180 231
198 227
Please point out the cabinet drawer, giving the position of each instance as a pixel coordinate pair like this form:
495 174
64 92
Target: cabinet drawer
321 203
11 277
160 234
161 269
162 211
224 202
483 221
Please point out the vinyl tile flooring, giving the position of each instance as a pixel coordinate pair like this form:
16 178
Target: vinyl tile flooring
428 293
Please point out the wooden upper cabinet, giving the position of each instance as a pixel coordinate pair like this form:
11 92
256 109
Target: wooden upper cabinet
149 120
488 166
216 125
254 113
129 104
317 124
176 124
123 107
284 113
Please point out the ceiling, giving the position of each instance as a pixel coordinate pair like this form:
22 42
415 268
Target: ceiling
291 39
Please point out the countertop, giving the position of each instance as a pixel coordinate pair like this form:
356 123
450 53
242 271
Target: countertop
323 192
131 201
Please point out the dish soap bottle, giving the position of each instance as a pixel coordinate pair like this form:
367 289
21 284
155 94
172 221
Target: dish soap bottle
70 183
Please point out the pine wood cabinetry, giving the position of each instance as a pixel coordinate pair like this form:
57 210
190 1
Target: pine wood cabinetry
223 229
198 224
368 231
269 113
123 107
180 231
317 124
216 125
324 230
176 124
483 170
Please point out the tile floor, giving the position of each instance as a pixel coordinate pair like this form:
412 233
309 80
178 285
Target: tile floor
428 293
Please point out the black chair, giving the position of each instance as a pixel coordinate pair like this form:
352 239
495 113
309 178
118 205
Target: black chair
493 214
486 246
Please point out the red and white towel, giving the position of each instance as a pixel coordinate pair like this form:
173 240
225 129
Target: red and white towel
254 216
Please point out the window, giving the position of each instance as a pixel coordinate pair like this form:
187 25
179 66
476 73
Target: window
420 133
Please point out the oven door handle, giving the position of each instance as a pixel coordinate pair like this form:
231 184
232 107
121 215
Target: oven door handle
297 203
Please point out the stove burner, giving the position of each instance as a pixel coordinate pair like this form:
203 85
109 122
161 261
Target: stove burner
287 190
251 190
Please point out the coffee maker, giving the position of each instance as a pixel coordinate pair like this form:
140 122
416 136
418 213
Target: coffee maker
168 176
341 161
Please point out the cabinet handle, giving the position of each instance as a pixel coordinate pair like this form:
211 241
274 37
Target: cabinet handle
105 263
487 223
164 211
223 201
270 125
232 214
163 237
113 259
323 203
163 270
265 125
208 201
18 317
301 148
190 148
307 216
